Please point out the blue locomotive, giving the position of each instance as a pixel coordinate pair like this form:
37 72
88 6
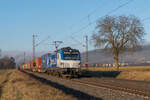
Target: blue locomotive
64 62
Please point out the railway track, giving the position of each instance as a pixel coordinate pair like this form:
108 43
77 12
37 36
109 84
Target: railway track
107 85
131 91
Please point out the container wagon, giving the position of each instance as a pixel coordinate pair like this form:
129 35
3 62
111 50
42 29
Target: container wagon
38 64
28 66
25 66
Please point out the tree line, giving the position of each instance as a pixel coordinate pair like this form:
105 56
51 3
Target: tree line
7 63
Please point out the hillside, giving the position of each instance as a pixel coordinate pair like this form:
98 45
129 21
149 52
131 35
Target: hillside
95 56
102 57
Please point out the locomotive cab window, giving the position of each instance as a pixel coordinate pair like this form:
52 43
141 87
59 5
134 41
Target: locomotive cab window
71 55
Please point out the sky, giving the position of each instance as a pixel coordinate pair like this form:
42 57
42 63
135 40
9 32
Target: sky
61 20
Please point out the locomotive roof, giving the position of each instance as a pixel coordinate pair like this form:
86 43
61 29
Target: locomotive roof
65 49
68 49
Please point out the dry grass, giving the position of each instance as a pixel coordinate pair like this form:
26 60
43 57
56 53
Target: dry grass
130 73
133 68
19 86
135 75
2 72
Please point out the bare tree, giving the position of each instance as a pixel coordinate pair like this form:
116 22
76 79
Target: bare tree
118 33
7 63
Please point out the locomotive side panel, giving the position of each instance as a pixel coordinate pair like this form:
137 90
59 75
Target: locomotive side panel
52 60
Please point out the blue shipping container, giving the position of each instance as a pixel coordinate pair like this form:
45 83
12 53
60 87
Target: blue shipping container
49 60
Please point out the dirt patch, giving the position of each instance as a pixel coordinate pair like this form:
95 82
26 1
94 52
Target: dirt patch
20 86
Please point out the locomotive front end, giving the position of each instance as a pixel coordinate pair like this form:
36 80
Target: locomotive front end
69 58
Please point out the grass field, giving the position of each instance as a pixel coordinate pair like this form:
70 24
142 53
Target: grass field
130 73
16 85
2 72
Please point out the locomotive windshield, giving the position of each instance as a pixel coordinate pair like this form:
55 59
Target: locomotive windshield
72 55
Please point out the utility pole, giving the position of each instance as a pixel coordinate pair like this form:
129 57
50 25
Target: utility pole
57 43
33 44
24 57
86 57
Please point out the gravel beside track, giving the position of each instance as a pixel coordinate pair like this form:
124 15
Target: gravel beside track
140 85
90 92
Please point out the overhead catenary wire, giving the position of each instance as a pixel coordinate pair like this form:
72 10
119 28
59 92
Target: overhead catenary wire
147 18
43 41
90 14
113 10
90 23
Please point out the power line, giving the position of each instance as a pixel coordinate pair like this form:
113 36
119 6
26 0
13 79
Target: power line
113 10
90 23
43 41
120 6
146 19
34 45
57 43
90 14
76 40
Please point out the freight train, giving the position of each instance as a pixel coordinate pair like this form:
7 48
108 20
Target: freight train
63 62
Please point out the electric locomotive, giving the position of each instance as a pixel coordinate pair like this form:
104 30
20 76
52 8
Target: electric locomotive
64 62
